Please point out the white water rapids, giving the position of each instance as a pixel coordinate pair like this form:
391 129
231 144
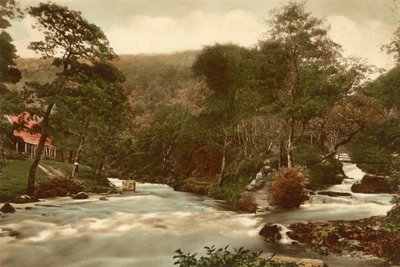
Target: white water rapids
145 227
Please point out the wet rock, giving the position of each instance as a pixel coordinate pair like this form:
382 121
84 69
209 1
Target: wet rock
334 194
260 180
28 208
246 203
271 232
7 208
23 199
372 184
366 236
103 198
80 195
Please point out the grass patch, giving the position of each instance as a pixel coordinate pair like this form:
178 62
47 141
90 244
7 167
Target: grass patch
13 180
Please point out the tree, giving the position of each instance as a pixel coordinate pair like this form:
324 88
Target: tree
347 119
68 39
9 102
314 78
386 88
99 108
394 46
226 71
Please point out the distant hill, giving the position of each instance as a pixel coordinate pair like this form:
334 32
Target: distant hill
151 80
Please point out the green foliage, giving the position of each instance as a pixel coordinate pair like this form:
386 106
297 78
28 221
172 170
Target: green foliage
287 187
386 89
252 166
221 257
321 175
231 189
376 145
394 180
392 221
306 153
68 33
324 174
157 143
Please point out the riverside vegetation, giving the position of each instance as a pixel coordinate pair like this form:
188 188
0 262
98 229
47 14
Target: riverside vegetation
203 121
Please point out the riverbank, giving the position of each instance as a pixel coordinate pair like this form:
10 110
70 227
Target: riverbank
13 180
355 238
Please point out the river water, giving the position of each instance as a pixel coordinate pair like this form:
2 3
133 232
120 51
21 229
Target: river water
145 227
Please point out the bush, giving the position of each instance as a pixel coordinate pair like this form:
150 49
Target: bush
58 187
394 180
392 221
231 189
287 188
223 257
252 166
324 174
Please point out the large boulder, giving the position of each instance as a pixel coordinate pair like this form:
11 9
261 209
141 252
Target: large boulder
271 232
261 179
7 208
372 184
81 195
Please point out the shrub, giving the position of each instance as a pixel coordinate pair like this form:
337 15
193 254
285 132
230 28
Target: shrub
324 174
394 180
58 187
392 221
223 257
231 189
252 166
287 189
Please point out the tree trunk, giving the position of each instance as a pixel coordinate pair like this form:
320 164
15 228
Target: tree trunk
32 171
70 156
289 151
222 172
78 155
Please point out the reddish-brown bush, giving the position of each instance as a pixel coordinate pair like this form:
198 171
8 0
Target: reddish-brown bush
207 161
58 187
287 188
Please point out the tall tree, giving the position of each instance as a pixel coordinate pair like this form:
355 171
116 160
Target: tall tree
313 79
68 38
226 71
99 105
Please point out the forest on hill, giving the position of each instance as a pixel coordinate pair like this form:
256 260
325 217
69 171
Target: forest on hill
227 110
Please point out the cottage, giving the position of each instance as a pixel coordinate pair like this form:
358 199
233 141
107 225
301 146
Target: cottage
26 142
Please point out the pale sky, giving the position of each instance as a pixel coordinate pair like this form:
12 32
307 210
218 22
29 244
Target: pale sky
165 26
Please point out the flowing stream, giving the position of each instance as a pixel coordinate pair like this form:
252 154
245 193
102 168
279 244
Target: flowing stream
145 227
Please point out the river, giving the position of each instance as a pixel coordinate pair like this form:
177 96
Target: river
145 227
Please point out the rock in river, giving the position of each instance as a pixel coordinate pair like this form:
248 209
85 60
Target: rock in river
372 184
271 232
7 208
81 195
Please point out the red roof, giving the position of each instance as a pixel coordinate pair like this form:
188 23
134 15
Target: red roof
30 138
